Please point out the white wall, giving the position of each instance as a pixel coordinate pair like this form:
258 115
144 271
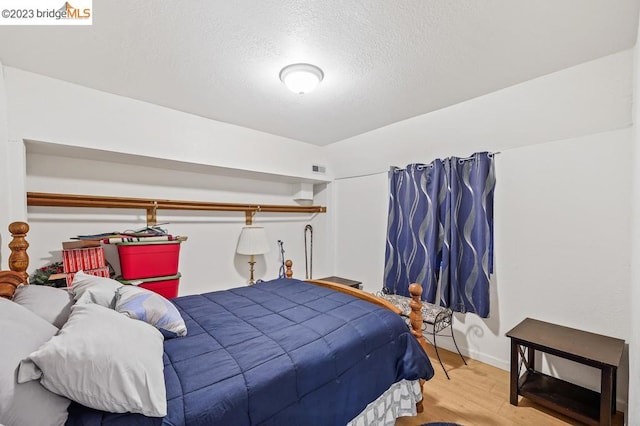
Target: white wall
360 228
634 344
5 185
562 222
562 204
12 175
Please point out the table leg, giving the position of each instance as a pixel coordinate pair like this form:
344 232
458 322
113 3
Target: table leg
606 392
531 362
614 397
513 384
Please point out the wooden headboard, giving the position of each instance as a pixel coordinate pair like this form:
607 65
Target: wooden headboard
18 261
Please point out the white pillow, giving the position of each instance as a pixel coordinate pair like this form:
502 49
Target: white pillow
91 289
22 332
145 305
103 360
52 304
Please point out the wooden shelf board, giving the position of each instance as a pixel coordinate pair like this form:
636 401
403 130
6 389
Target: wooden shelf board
567 398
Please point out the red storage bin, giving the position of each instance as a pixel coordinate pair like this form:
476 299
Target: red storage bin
140 260
164 286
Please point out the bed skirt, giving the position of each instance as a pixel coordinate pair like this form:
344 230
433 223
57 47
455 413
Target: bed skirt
398 401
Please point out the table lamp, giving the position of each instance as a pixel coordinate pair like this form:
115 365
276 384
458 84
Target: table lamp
252 242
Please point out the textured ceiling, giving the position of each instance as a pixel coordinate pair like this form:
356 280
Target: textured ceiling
384 61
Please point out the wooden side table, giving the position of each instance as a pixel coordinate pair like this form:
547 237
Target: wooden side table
595 350
343 281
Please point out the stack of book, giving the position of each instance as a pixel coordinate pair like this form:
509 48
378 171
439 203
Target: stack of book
83 255
147 234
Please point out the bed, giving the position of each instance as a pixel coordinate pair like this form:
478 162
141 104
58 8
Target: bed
277 353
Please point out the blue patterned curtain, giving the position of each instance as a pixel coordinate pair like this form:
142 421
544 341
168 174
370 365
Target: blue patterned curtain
440 231
414 231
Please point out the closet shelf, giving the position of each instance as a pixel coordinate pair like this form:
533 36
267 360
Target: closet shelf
151 205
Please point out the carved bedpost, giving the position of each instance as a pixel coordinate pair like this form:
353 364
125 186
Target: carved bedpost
415 317
19 259
416 313
9 281
289 272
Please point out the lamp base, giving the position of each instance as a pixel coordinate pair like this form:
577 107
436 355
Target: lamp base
251 263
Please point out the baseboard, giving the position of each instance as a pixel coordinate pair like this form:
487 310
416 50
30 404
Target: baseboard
491 360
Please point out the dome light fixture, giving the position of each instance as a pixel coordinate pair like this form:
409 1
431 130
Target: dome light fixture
301 78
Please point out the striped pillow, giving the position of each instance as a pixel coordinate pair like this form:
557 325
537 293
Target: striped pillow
144 305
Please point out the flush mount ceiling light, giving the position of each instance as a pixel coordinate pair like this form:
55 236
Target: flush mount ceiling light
301 78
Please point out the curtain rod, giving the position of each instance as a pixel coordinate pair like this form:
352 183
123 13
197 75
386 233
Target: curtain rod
471 157
386 171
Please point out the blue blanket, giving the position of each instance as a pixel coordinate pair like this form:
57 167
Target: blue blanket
282 352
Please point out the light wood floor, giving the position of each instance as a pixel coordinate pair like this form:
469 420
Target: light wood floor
477 395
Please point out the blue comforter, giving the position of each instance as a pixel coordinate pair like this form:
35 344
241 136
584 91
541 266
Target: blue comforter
282 352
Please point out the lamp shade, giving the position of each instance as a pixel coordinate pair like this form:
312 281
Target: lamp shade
253 240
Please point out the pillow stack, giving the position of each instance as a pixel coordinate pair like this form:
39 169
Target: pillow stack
99 357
